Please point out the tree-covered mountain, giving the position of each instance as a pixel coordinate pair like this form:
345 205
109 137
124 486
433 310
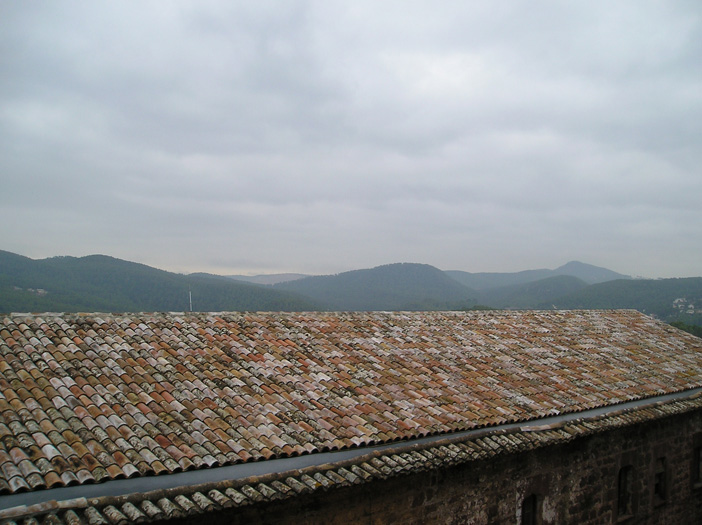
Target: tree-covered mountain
486 280
667 299
401 286
101 283
532 294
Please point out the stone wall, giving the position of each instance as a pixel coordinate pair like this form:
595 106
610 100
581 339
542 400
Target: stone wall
578 482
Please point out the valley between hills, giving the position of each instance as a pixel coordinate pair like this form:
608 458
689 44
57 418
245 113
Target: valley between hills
100 283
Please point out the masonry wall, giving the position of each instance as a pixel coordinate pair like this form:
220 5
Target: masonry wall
574 483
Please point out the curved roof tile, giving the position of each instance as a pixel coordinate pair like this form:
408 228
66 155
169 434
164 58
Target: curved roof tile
110 396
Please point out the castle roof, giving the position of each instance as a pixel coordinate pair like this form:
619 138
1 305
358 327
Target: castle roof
90 399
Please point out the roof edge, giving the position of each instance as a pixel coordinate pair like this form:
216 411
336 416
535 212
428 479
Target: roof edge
378 462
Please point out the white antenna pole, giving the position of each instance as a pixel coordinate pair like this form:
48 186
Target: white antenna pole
191 299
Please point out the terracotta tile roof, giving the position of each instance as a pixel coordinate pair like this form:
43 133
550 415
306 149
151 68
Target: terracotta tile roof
199 499
89 398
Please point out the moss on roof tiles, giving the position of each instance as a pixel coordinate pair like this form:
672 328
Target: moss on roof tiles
122 396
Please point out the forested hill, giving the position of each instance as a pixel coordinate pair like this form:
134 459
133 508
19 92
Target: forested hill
98 283
668 299
587 273
532 294
101 283
401 286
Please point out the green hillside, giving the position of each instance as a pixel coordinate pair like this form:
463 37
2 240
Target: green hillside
668 299
101 283
402 286
532 294
490 280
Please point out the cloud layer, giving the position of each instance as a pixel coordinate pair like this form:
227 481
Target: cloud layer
326 136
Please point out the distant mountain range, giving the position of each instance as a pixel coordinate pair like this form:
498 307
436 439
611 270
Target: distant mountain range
270 278
401 286
100 283
587 273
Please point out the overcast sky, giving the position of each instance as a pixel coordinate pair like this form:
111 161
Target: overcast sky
320 137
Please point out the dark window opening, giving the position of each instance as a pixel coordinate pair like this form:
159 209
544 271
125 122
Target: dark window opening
530 511
624 493
659 487
697 466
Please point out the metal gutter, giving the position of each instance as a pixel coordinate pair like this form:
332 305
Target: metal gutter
258 469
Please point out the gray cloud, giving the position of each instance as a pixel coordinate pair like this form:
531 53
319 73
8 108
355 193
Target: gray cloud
326 136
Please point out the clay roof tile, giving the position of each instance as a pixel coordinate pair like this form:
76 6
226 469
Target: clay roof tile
284 384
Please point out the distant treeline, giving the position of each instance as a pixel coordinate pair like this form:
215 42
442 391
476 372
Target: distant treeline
99 283
691 328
